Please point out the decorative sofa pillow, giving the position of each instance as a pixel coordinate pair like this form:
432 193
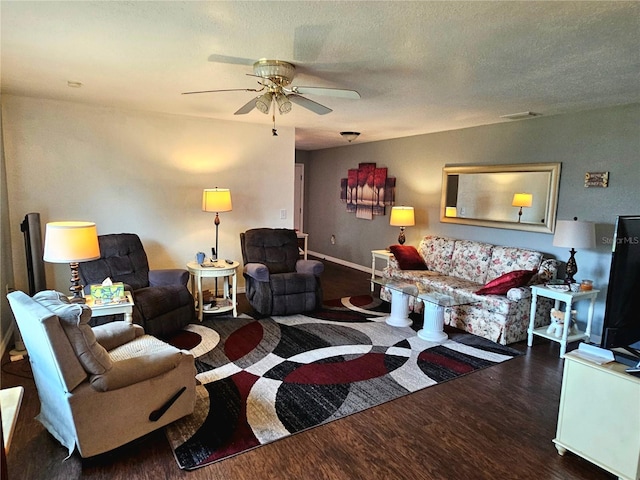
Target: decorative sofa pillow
502 284
408 257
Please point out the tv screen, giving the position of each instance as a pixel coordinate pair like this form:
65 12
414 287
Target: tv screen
621 327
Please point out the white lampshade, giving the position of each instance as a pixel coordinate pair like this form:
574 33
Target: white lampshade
216 200
522 200
402 217
574 234
69 242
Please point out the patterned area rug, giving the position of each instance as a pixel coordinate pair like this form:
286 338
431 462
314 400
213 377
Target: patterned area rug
264 379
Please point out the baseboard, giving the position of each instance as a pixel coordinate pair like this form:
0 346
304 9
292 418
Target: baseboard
339 261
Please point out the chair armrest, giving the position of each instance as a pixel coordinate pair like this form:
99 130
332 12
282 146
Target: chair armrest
314 267
518 293
257 271
113 334
138 369
169 276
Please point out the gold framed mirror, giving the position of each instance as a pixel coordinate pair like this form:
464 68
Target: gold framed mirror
517 197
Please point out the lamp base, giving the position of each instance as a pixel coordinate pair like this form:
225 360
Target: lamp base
572 267
401 238
75 287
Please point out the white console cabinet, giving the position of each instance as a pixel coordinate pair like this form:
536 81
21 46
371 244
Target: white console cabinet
599 417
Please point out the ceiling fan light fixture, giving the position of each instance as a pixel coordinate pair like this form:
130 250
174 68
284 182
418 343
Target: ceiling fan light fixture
350 136
284 105
263 103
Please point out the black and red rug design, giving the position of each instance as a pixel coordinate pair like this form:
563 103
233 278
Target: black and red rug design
264 379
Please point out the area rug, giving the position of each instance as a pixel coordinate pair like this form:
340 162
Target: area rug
264 379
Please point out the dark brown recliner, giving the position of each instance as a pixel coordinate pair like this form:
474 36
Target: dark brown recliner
277 282
163 304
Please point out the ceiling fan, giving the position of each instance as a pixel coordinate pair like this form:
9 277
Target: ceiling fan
275 76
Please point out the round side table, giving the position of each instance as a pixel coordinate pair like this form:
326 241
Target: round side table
217 269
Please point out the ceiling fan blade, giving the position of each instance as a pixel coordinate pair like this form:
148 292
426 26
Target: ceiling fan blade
247 107
309 104
331 92
231 60
227 90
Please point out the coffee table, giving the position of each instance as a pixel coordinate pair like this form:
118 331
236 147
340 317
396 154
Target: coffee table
434 305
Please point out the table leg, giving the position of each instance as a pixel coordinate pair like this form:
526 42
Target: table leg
200 302
128 316
399 316
532 318
565 329
233 294
373 271
433 327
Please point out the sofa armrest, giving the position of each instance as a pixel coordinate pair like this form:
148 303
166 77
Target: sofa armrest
168 276
518 293
137 369
314 267
113 334
257 271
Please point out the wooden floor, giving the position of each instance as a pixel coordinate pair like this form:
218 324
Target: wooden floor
497 423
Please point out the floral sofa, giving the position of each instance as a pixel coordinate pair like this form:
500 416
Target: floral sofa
464 267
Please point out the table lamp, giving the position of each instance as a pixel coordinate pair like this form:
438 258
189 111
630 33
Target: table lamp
71 242
216 200
521 200
402 217
574 234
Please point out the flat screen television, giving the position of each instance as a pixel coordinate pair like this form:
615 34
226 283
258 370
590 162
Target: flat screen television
621 326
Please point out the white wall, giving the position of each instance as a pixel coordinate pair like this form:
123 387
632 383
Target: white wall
141 172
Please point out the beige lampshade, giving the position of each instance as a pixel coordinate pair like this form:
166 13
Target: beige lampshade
68 242
574 234
402 217
522 200
216 200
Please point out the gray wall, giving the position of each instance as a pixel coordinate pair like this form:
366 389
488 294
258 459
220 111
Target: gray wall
591 141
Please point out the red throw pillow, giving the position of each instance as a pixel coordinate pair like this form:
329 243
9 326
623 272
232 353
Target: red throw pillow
502 284
408 257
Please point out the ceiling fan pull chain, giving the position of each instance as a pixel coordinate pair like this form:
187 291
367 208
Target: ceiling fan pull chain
274 132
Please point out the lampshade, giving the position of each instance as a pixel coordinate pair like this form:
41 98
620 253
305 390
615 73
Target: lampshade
402 217
69 242
574 234
522 200
263 103
216 200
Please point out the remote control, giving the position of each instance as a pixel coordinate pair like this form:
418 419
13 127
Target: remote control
230 262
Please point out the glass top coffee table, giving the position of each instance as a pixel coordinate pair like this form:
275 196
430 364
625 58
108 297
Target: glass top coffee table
434 304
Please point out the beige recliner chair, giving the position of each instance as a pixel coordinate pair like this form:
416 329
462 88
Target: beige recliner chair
100 387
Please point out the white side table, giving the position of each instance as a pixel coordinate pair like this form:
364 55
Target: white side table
378 255
304 239
568 298
100 310
218 269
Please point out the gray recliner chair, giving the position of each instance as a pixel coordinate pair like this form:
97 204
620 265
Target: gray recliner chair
162 301
277 281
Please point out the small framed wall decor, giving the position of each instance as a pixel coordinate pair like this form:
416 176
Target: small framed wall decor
596 179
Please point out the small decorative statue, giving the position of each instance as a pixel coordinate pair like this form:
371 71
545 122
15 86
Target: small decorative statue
557 323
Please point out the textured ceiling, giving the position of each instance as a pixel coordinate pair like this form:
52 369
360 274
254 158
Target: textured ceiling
420 67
